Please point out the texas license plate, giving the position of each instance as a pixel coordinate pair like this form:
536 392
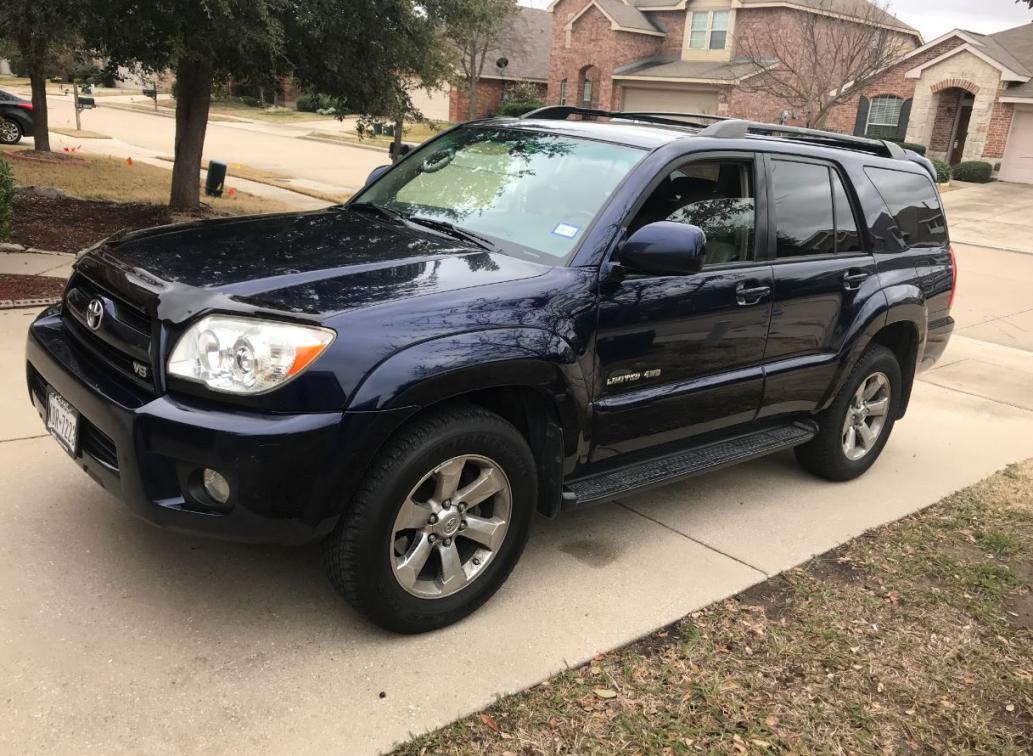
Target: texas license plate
62 421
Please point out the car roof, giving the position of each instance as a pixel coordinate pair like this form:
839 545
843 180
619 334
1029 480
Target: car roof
651 136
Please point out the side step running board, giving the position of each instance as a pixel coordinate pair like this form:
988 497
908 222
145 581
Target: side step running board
685 464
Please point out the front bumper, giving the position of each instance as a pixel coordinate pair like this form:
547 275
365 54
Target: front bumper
291 475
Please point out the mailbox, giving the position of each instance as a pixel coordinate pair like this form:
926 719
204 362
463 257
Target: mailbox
213 185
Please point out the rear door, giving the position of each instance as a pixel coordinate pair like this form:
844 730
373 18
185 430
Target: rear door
823 276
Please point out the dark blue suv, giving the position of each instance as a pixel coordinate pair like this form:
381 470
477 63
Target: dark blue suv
522 315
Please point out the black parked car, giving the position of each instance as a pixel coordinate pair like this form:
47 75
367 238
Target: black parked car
523 315
15 118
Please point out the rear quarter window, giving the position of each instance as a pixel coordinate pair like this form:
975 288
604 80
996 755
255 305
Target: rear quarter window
914 204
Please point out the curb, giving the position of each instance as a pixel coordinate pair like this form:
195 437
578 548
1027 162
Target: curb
343 143
12 248
15 304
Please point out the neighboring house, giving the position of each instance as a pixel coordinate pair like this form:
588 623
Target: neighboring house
966 96
665 55
525 45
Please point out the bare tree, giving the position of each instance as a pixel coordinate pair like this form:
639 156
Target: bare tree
817 60
475 27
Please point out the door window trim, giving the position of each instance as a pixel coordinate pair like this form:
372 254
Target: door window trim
761 219
848 187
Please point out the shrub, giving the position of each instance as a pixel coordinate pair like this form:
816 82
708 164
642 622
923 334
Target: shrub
518 107
251 102
6 198
943 171
307 103
919 148
978 171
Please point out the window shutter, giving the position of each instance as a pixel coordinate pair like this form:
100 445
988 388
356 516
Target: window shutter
862 116
905 116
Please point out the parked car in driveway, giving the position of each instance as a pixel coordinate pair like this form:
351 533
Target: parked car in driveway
521 316
15 118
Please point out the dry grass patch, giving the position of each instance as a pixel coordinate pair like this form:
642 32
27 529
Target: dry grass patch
914 638
107 178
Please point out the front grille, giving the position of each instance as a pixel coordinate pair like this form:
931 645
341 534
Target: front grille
121 340
95 443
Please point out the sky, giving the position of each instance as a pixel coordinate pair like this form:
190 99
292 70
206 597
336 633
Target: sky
935 17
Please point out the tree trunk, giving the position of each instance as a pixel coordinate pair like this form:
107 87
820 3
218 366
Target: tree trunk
471 97
193 99
397 150
41 127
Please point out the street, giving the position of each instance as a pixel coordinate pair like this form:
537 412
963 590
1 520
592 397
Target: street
119 637
281 148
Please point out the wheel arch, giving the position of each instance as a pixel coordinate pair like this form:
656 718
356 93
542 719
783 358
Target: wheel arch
527 376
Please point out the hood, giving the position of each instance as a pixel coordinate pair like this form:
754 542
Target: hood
315 263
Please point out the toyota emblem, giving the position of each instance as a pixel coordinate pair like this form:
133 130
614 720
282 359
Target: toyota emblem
94 313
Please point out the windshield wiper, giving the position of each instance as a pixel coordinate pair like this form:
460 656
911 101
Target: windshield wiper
455 231
383 212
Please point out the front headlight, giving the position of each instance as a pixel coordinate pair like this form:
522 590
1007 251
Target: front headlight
239 355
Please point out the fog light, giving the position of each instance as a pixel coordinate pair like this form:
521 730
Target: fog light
216 486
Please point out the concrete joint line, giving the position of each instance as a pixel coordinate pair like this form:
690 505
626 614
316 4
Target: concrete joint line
694 540
22 438
977 396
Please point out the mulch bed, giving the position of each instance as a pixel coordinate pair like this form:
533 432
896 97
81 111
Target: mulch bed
63 224
17 286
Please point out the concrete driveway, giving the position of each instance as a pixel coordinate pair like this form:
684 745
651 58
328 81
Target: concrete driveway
117 637
991 215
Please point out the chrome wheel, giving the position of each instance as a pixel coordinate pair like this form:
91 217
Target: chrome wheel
9 131
450 526
866 416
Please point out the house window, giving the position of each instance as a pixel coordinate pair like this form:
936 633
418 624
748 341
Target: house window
563 92
586 93
708 30
884 117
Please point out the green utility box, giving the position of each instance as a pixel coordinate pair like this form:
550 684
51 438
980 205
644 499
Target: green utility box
216 178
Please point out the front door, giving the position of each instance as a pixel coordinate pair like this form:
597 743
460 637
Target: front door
680 356
823 277
960 134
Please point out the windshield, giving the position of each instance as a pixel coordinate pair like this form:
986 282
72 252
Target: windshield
526 193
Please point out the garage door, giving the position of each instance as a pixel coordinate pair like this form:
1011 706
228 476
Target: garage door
1018 157
642 99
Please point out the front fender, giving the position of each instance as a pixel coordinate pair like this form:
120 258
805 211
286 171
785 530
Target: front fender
451 366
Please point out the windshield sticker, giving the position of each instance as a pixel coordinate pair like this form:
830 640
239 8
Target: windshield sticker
566 230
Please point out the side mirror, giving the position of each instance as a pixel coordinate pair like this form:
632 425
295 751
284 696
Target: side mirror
376 173
665 248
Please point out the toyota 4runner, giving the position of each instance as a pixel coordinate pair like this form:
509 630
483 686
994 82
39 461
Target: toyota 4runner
521 315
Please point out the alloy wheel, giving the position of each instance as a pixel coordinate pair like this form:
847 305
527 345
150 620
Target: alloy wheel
866 416
451 526
9 131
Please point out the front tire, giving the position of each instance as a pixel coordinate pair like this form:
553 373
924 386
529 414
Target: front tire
10 132
855 428
438 523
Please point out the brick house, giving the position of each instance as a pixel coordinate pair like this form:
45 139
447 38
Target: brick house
675 55
524 44
966 96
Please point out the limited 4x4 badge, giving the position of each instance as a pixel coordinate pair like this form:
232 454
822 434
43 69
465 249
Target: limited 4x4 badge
617 380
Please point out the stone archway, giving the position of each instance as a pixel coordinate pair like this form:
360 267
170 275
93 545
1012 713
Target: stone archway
588 84
953 102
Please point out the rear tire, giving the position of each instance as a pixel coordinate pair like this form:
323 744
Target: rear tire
410 553
854 429
10 131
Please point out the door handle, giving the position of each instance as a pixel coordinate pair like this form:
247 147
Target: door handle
750 295
852 280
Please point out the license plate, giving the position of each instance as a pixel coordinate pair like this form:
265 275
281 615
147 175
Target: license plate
62 421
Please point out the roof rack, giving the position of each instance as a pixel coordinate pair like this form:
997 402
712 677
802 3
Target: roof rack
562 112
738 129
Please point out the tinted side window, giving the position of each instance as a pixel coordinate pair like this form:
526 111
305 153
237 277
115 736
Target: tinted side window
804 218
847 238
914 205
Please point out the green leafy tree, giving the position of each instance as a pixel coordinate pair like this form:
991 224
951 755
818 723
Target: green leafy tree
6 198
475 28
201 41
40 31
361 53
